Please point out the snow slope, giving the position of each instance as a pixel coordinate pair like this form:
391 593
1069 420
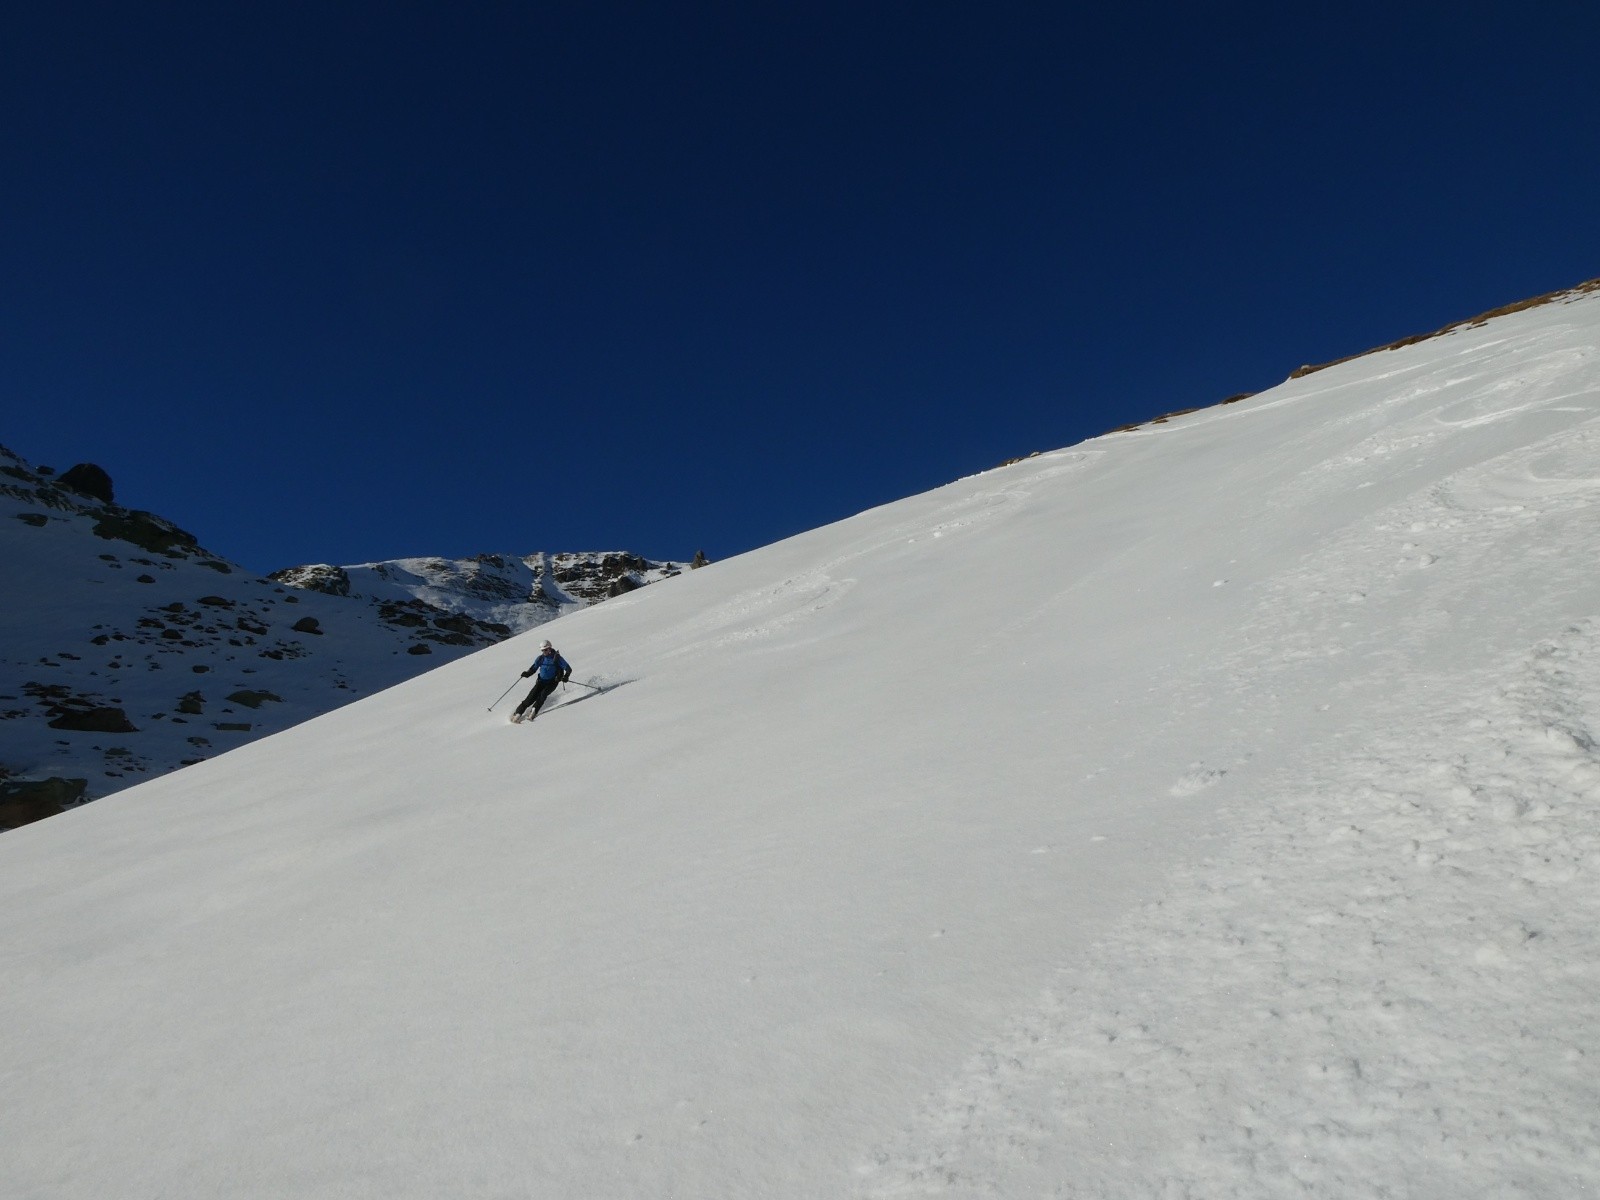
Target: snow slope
1204 810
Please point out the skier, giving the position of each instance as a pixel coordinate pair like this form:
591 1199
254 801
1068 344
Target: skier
551 669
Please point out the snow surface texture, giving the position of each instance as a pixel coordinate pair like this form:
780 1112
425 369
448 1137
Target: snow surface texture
1205 810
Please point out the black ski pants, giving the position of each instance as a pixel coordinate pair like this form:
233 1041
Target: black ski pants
541 692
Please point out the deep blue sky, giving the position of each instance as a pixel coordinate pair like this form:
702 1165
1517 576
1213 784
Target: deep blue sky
339 282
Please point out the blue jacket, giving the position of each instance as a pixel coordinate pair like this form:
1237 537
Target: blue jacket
550 666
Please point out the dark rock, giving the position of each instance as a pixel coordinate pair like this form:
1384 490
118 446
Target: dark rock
37 520
25 800
88 479
418 648
147 531
232 726
192 703
95 720
199 668
307 625
254 699
216 601
408 613
145 579
700 560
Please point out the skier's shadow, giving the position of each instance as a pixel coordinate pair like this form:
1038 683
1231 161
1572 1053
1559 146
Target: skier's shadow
588 694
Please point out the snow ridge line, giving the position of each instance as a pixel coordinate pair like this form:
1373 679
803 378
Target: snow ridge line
1403 956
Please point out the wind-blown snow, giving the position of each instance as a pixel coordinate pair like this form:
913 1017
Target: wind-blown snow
1206 810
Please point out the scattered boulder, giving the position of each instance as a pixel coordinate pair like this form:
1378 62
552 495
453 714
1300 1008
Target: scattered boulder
418 648
216 601
37 520
95 720
192 703
700 560
307 625
253 699
88 479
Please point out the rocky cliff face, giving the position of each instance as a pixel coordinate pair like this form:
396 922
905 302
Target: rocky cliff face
128 650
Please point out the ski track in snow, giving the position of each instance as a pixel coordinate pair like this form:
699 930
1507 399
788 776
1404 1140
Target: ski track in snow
1396 987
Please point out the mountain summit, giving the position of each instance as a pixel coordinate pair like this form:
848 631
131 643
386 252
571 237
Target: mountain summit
1208 809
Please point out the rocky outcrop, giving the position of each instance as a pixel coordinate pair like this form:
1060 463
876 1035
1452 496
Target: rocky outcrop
90 480
316 577
23 801
86 490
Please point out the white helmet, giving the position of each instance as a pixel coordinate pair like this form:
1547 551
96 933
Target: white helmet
546 645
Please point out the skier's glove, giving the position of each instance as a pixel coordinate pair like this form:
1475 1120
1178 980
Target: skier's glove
566 675
525 674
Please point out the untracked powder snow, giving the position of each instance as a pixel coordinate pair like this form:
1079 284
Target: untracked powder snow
1210 809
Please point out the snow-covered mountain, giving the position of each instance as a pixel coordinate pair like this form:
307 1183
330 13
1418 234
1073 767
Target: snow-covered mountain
518 591
129 650
1210 809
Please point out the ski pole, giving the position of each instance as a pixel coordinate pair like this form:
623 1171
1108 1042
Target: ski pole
506 693
579 682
